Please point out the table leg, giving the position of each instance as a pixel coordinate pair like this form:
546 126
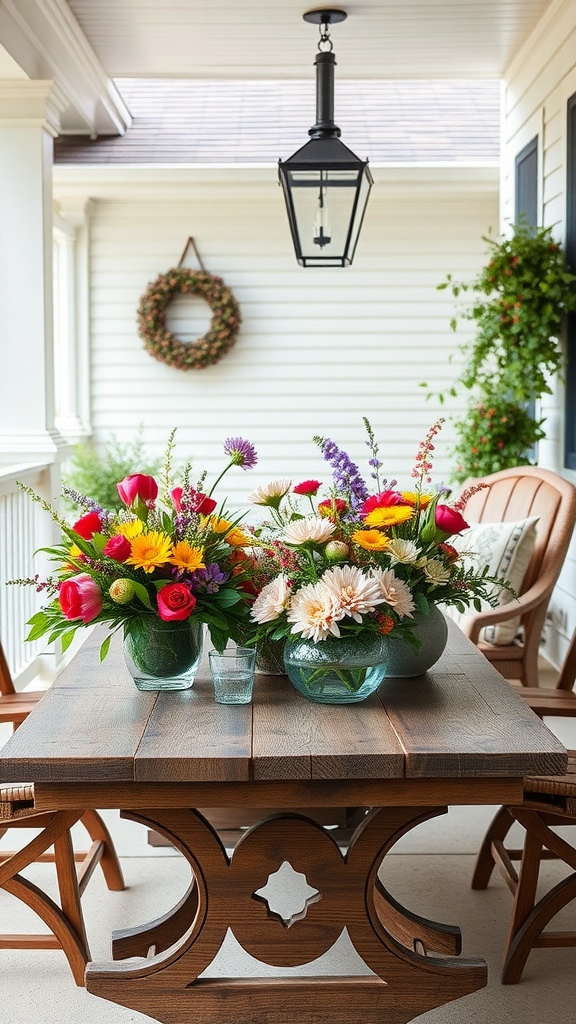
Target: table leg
339 891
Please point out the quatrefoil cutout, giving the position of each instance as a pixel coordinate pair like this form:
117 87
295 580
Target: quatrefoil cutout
287 895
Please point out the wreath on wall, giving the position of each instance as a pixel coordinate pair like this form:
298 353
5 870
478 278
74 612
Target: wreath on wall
165 346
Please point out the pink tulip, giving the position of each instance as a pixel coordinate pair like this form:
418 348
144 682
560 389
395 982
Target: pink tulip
135 486
80 597
198 502
449 520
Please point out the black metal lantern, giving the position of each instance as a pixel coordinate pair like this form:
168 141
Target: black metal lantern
326 187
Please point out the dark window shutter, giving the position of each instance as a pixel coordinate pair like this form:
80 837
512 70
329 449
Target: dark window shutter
526 184
570 415
526 208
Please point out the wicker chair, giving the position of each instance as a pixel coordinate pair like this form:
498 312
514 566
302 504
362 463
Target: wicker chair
547 801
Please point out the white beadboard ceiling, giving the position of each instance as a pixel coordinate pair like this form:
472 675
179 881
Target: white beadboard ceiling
269 39
89 47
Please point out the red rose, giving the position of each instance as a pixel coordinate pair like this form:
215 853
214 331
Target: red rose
449 520
198 502
118 548
175 602
135 486
307 487
88 525
80 597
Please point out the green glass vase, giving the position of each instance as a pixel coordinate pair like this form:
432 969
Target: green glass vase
162 655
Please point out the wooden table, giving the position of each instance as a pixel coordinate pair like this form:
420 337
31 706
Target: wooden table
458 735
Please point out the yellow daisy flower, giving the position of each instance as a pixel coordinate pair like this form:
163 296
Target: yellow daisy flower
237 538
216 524
390 516
184 556
370 540
414 499
149 551
131 529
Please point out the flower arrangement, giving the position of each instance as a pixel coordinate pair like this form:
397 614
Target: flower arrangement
168 554
363 559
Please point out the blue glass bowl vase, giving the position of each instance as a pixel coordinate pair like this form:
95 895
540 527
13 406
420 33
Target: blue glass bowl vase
338 670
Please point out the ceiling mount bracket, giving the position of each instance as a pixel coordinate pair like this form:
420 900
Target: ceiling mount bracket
325 16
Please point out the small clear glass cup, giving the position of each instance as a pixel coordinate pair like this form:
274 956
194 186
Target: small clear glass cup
233 674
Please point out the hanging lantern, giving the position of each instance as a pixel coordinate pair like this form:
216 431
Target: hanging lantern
326 187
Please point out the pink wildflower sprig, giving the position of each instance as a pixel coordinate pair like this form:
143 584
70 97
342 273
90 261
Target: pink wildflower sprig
460 505
423 463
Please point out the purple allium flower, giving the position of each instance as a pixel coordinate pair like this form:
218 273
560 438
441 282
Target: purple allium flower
208 580
241 452
345 473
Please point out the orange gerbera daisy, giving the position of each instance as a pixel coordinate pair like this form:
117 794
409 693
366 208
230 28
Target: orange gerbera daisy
371 540
391 516
184 556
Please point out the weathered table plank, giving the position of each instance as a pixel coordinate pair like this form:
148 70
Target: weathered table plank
294 738
460 720
189 736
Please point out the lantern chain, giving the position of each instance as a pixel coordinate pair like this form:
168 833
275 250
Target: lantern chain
325 43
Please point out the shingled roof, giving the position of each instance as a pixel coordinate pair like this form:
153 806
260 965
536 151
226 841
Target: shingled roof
221 123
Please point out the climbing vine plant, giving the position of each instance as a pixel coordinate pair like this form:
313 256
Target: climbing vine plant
517 303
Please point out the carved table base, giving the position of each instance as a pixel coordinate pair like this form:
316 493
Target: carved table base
413 960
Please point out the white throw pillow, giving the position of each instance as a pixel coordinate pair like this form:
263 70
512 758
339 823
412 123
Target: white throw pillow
506 548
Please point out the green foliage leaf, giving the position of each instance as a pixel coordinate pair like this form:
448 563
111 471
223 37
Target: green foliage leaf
105 647
142 594
227 598
67 638
218 637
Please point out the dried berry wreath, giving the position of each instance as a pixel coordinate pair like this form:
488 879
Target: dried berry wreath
164 345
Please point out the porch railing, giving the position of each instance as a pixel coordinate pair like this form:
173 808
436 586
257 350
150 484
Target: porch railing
24 527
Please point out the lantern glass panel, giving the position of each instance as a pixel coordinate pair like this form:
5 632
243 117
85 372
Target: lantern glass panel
323 203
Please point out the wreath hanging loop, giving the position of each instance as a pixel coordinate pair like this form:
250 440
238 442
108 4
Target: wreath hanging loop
165 346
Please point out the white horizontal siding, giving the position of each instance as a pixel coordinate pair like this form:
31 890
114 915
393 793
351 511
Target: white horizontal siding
538 84
317 350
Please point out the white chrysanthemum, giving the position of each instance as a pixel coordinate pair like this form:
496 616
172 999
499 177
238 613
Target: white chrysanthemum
396 593
404 551
314 612
313 528
436 571
269 493
272 600
354 592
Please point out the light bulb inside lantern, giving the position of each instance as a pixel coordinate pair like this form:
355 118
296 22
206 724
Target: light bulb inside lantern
322 230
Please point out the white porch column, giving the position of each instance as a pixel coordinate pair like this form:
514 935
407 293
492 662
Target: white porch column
71 319
29 121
